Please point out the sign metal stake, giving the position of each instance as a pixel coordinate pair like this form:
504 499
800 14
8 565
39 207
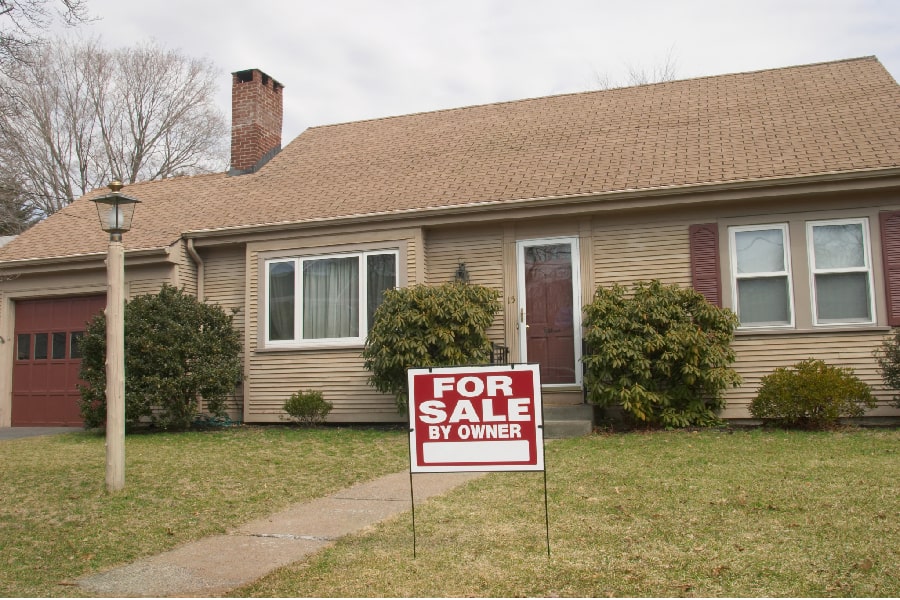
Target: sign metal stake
412 501
546 511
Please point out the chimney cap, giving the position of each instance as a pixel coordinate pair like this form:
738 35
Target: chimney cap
246 75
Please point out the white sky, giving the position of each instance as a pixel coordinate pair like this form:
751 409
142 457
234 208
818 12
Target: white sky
346 60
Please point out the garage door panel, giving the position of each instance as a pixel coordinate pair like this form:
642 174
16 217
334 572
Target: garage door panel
22 381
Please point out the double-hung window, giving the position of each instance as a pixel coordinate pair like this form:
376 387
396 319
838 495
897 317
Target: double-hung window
840 271
330 299
761 279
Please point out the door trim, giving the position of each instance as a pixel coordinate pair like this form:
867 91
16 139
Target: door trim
522 308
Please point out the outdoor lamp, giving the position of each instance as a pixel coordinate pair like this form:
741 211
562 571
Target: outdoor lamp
462 274
116 210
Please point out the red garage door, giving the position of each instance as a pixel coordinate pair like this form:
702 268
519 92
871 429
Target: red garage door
47 359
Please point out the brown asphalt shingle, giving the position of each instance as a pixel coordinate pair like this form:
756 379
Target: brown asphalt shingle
832 117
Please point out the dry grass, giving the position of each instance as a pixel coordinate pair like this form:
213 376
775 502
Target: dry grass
57 523
664 514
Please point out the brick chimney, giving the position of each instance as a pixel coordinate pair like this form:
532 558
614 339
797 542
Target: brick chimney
256 115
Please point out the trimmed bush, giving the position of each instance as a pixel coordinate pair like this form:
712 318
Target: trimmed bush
811 395
307 408
177 350
888 357
662 352
422 326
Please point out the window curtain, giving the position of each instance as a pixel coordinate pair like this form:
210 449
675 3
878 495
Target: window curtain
281 301
765 299
381 275
841 295
331 298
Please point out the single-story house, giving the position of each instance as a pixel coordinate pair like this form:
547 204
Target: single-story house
775 193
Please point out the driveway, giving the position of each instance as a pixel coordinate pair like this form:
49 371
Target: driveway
14 433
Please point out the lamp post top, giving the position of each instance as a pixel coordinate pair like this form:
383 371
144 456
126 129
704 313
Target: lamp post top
115 210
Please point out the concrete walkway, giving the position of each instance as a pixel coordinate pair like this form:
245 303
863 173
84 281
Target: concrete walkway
215 565
15 433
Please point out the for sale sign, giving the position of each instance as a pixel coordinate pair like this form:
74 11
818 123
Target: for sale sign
475 419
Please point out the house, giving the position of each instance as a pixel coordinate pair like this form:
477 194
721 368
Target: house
776 193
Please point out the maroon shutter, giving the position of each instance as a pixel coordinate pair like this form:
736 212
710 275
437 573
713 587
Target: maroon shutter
705 277
890 255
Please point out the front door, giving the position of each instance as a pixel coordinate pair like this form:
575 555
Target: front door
549 319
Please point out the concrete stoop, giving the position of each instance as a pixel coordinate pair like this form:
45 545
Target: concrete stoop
568 421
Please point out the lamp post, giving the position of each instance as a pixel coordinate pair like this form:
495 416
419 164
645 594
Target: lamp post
115 211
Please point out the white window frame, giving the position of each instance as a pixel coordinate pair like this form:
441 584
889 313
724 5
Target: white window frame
786 273
298 341
866 268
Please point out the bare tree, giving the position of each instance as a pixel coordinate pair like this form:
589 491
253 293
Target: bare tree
77 115
666 70
22 23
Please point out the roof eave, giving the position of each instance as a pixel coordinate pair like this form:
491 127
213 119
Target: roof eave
81 261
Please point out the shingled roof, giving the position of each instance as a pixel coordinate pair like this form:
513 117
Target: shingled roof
837 117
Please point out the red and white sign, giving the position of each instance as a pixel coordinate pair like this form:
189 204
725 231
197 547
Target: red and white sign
475 419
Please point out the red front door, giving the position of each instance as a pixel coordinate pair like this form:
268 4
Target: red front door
550 311
47 359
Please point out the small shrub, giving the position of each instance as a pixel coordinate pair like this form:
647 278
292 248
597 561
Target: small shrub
811 395
888 357
307 408
662 352
423 326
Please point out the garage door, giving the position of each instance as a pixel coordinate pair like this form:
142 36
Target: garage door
47 359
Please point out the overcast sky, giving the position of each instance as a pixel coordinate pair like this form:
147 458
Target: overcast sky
346 60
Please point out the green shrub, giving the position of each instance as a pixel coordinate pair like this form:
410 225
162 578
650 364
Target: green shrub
307 408
888 357
177 350
422 326
812 395
662 352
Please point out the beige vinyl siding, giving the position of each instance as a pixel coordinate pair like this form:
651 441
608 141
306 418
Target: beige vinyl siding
224 284
141 287
148 279
338 374
759 355
271 376
224 280
185 276
625 253
481 249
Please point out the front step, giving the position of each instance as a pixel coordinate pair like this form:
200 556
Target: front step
568 421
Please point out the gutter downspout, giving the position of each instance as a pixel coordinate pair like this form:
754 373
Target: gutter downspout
201 268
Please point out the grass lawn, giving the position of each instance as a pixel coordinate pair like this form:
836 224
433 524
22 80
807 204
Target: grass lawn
755 513
752 513
57 523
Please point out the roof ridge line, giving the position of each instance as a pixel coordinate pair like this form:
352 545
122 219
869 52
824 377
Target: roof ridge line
624 87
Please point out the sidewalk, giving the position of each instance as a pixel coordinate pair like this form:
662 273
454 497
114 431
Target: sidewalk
16 433
213 566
